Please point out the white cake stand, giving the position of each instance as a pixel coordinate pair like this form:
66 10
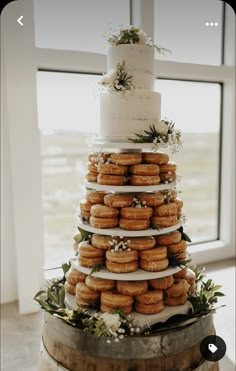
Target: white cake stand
143 319
138 275
124 233
129 188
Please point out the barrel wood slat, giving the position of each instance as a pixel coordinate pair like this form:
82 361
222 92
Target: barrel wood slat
67 348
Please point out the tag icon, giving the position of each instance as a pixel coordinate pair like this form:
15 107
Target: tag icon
212 348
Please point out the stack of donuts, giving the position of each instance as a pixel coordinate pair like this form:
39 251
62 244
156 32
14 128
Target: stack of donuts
146 297
176 246
127 254
72 278
131 211
134 168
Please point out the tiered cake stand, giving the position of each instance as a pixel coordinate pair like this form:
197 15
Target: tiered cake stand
122 146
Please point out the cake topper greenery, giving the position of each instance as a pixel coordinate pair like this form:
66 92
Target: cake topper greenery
116 325
159 133
117 80
134 35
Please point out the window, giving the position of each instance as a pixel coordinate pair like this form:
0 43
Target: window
68 110
191 29
195 107
78 24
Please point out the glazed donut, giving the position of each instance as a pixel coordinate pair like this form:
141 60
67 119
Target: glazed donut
141 243
98 157
170 166
151 199
121 267
144 169
161 283
115 300
164 221
168 238
91 176
157 253
155 157
118 200
132 288
106 179
149 308
134 225
180 300
69 288
165 209
83 303
150 297
187 274
108 308
169 195
124 256
92 167
144 180
85 292
96 222
88 251
167 177
88 262
99 284
112 169
95 197
101 242
181 274
103 211
179 247
179 287
154 266
136 212
85 205
85 215
179 203
130 158
74 276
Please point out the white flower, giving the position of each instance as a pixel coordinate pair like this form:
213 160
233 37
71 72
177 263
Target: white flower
161 127
112 321
143 37
108 78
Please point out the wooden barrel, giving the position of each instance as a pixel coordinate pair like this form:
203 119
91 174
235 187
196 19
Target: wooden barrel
67 348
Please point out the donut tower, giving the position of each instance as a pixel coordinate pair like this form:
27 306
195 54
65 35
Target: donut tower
131 213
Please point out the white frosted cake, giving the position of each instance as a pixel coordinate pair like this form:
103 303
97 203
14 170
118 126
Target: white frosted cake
123 113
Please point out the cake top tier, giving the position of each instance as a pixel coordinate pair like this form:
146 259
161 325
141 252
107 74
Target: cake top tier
133 50
139 63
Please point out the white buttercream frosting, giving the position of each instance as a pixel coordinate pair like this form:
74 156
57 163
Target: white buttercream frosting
122 115
139 63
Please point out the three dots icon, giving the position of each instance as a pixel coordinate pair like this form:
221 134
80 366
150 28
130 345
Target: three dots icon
212 24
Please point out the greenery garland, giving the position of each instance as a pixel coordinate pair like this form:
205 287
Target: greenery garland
118 325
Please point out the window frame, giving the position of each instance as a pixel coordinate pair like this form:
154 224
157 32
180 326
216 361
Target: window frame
21 62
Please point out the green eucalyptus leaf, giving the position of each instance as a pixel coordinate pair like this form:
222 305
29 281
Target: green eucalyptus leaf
217 293
41 292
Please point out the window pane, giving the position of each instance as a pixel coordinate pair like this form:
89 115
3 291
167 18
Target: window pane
195 108
68 109
77 24
191 29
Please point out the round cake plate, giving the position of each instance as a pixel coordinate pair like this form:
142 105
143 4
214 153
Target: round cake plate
129 188
118 232
143 319
139 275
122 143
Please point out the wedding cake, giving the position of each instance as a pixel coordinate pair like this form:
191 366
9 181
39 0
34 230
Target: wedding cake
132 252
